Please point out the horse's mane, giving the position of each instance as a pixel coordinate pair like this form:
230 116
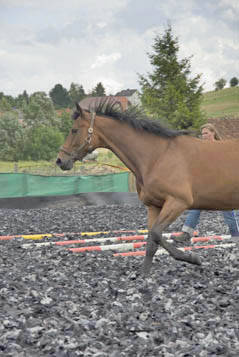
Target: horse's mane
133 116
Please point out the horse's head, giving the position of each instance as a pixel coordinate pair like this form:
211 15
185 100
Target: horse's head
80 141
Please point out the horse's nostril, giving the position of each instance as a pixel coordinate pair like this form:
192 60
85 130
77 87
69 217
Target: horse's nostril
58 161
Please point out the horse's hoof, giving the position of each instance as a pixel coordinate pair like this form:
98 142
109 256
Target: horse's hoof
147 265
146 270
196 259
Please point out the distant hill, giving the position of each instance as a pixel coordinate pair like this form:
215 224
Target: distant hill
222 103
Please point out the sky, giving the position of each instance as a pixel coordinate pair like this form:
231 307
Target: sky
43 43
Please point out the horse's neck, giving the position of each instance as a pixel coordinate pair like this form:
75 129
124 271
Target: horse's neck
131 146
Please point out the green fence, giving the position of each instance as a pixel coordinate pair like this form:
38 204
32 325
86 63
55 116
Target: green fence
22 185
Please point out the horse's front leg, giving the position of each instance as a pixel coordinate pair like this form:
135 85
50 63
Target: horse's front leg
171 209
152 244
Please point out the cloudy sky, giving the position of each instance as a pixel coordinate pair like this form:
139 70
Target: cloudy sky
46 42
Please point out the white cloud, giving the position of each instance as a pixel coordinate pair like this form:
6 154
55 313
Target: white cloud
3 53
101 60
101 24
229 3
45 43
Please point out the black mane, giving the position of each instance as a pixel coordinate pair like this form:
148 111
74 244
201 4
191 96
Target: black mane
133 116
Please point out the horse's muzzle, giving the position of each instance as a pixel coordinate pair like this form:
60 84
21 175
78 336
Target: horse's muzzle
64 165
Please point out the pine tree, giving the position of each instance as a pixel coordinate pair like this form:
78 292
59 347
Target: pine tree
60 96
99 90
168 91
22 99
76 93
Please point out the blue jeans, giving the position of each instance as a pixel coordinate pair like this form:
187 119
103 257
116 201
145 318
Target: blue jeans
194 215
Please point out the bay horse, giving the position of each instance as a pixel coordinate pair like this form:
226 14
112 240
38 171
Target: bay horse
174 171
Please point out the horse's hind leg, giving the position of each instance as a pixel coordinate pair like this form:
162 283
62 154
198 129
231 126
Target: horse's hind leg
171 210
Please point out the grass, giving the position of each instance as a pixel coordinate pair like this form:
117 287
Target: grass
222 103
106 162
25 166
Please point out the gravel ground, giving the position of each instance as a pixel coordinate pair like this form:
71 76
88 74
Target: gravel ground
57 303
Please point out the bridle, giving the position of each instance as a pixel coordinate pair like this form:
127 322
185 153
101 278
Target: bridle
86 142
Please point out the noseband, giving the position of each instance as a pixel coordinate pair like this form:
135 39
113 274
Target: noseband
87 140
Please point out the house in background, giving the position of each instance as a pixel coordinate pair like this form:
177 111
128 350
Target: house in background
125 98
128 97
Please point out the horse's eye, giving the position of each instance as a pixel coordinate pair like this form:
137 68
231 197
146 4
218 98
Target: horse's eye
73 131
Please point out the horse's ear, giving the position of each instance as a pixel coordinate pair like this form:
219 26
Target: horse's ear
79 110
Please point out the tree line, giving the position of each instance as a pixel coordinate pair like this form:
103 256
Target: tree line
220 84
32 127
60 96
